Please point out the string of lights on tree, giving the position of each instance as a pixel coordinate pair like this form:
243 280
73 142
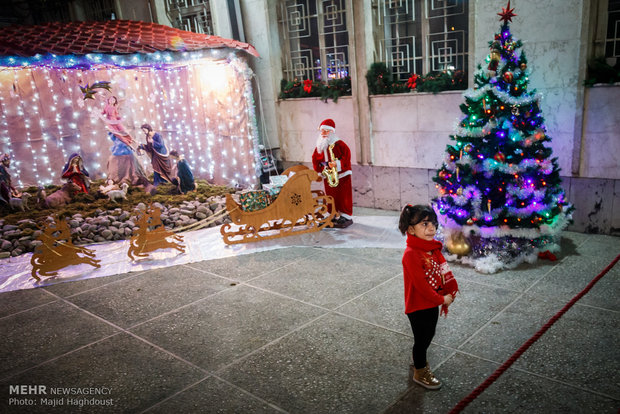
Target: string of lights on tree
501 198
200 102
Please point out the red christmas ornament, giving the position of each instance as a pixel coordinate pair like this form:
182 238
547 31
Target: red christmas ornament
508 77
507 14
499 157
443 174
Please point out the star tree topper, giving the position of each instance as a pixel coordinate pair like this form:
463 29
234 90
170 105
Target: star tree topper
507 14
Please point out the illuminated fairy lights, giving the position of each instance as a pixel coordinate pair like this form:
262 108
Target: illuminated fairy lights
200 102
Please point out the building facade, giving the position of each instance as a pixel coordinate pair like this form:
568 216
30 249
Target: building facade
398 140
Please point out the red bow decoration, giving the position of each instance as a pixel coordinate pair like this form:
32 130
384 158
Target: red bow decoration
413 81
547 255
308 85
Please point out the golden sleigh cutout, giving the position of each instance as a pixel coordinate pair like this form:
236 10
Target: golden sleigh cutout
147 241
297 210
57 251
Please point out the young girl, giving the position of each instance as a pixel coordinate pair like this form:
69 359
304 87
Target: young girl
429 283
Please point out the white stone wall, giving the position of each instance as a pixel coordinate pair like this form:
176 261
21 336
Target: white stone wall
600 157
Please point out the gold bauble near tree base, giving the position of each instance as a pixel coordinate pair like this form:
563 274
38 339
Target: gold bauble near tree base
458 244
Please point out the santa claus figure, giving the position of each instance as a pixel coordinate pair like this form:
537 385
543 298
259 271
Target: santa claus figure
332 160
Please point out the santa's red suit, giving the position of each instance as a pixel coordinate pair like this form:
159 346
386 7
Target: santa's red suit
343 193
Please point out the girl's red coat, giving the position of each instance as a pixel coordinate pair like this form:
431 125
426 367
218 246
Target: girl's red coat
427 275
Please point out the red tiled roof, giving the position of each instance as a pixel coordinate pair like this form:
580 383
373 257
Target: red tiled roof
111 36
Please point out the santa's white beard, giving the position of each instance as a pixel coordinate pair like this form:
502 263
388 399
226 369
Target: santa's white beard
323 143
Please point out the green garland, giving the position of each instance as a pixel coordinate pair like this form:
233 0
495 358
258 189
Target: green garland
599 71
379 81
334 89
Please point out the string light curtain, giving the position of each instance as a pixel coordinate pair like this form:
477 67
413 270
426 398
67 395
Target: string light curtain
200 102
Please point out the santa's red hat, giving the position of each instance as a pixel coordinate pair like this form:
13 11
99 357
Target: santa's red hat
328 124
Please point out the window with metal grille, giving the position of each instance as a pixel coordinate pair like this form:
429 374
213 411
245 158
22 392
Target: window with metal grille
421 36
191 15
612 39
315 40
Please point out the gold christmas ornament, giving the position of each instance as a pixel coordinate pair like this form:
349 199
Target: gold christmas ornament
458 244
459 191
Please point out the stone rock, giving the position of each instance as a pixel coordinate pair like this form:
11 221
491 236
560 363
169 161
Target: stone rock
73 223
117 223
99 239
27 224
159 206
9 227
16 252
6 245
174 210
12 234
200 215
127 231
141 207
4 255
124 216
107 234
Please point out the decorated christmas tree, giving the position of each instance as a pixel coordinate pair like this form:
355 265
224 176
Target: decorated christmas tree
501 200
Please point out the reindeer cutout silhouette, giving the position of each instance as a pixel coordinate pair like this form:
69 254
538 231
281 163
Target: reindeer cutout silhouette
57 251
147 241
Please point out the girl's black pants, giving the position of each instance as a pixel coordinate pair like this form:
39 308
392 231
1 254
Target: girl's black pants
423 324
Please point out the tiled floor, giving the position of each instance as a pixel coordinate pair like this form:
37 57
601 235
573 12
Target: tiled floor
311 330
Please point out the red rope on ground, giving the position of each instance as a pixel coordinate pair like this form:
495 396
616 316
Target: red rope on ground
499 371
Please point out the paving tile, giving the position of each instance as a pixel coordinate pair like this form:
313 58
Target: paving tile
391 256
519 392
460 375
20 300
70 288
248 266
581 348
150 294
36 335
334 365
216 331
510 329
473 307
570 241
383 306
605 248
574 274
213 396
134 374
327 279
518 279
